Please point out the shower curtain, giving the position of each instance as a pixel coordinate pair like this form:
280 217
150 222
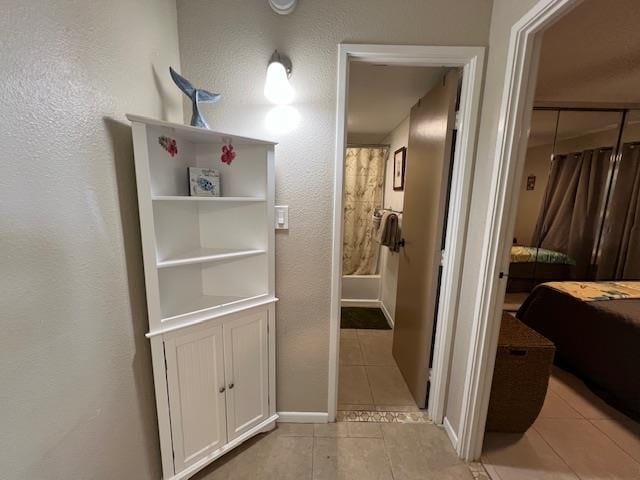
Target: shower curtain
569 219
363 187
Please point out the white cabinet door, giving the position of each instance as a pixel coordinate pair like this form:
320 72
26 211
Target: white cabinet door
195 380
247 371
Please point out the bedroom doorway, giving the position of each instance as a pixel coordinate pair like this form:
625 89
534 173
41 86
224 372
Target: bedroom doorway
564 400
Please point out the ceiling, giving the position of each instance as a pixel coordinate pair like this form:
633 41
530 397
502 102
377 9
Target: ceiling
592 55
381 96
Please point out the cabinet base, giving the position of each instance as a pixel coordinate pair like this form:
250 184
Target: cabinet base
267 425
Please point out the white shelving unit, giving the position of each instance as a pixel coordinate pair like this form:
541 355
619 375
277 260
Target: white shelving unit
210 283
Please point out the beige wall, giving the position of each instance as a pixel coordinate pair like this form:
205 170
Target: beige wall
537 163
225 45
394 200
504 14
77 394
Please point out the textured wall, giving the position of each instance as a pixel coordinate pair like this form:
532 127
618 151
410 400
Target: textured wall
225 45
504 14
77 394
393 199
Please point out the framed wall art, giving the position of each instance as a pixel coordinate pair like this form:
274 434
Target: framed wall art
399 161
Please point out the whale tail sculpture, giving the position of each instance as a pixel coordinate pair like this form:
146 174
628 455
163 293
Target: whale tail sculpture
196 95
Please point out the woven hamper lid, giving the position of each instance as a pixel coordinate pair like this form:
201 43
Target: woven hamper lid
514 333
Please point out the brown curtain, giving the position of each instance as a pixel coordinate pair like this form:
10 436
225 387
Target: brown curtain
620 252
569 218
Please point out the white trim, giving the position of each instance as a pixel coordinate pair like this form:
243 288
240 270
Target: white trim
268 424
197 133
387 315
303 417
517 100
471 59
460 194
450 432
235 307
360 302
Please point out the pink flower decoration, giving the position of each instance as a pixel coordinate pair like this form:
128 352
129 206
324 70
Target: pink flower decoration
169 144
227 154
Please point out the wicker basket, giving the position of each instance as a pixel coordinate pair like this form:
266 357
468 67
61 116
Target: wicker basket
521 376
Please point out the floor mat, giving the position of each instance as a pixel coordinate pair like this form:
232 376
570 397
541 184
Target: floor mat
364 318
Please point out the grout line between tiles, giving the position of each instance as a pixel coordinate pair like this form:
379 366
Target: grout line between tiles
611 439
568 405
313 453
495 475
557 453
386 451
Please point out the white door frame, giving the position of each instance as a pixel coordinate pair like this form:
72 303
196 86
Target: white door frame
471 60
508 166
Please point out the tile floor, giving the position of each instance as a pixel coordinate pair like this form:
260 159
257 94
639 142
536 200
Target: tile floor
345 451
576 436
369 378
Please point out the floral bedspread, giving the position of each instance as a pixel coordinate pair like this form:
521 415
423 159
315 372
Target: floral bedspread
598 291
520 254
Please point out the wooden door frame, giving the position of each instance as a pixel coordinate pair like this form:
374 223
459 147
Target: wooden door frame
508 167
471 60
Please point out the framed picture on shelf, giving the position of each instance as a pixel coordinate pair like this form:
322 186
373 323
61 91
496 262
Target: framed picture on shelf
399 159
204 182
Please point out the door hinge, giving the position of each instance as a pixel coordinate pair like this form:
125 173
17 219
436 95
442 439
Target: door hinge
502 275
458 122
443 257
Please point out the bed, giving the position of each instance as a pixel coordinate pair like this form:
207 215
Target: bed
530 266
596 331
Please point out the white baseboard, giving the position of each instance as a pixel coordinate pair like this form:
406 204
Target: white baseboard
303 417
360 302
387 315
450 432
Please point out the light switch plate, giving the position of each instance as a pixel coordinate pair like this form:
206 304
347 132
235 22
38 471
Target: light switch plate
282 217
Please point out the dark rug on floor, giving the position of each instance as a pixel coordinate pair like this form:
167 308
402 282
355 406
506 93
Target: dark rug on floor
365 318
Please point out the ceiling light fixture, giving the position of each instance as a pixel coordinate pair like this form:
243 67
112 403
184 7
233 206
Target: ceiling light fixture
283 7
277 88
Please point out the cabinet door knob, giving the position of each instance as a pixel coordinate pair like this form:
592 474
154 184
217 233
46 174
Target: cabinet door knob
221 390
231 385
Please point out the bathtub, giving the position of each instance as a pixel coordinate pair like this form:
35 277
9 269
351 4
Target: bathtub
361 290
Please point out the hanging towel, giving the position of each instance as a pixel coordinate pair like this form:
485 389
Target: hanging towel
382 226
391 232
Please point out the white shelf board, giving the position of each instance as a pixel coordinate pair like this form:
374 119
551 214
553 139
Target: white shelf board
203 307
200 135
184 198
203 255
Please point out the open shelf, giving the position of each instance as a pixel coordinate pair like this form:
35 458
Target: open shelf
208 304
181 198
203 255
210 256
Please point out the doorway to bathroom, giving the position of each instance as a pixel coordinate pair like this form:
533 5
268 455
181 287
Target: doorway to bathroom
404 157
